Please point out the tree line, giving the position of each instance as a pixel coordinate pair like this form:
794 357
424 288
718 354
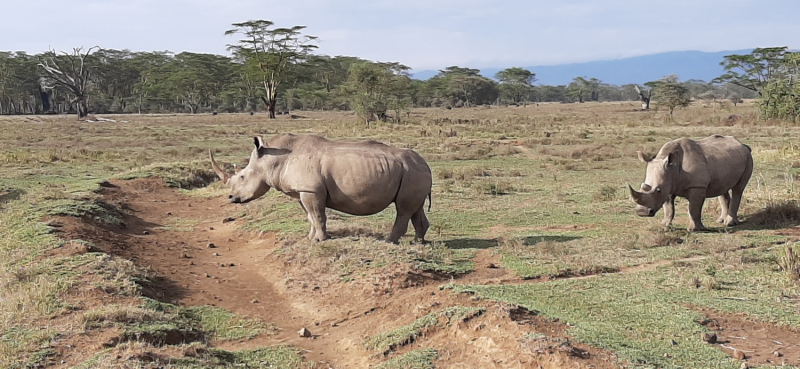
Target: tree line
277 70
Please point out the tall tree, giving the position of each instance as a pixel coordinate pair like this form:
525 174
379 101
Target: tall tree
374 88
73 73
516 83
671 94
268 53
753 71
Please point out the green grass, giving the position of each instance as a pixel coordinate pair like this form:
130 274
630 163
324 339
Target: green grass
386 342
543 188
637 315
278 357
417 359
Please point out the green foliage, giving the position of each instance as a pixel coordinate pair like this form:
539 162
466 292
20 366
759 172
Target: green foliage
268 53
516 84
669 93
375 88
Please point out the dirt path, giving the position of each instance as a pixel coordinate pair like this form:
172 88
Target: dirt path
201 260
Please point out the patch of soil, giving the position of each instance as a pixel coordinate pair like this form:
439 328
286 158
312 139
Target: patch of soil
217 264
762 343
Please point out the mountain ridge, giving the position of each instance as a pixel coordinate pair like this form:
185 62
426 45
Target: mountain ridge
701 65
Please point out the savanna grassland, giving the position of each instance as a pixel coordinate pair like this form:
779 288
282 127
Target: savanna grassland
530 211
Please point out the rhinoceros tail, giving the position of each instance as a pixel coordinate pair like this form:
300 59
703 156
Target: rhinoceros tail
430 201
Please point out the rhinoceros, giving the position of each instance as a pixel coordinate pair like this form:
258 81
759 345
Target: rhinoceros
716 166
358 178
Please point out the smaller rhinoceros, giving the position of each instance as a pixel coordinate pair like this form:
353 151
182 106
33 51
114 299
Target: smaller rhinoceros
716 166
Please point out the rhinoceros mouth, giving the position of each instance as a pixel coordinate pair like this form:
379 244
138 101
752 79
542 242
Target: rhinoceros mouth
644 211
238 200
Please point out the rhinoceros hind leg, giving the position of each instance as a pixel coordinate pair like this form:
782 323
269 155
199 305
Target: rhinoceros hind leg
400 226
315 207
420 223
724 204
736 197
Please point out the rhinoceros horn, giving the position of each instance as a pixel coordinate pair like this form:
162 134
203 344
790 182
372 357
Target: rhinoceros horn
224 177
634 194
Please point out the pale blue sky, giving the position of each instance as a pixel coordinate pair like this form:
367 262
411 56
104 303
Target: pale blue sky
421 34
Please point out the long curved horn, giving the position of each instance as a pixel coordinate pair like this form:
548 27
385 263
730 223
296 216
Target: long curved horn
217 169
634 194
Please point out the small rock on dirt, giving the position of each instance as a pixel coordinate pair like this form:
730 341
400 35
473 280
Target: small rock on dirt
210 228
739 355
709 337
228 219
211 245
777 353
208 275
255 301
169 213
304 332
215 254
491 266
145 233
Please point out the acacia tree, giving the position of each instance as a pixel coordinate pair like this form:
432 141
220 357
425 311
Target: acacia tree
757 68
73 73
374 88
670 93
516 83
268 53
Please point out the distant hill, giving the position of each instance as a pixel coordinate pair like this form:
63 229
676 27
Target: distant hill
640 69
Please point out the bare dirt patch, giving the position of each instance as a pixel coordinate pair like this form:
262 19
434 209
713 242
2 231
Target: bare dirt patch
762 343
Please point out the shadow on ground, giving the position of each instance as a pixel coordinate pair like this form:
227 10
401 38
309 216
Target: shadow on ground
477 243
10 194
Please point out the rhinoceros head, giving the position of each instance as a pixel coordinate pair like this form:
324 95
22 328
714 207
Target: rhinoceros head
251 182
657 186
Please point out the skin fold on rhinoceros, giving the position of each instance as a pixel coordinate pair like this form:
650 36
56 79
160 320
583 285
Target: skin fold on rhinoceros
716 166
358 178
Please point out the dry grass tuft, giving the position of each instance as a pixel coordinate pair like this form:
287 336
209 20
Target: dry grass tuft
790 262
777 215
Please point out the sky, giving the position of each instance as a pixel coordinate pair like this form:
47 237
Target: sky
423 34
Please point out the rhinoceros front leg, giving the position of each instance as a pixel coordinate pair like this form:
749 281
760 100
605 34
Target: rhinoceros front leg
669 211
314 205
696 198
724 204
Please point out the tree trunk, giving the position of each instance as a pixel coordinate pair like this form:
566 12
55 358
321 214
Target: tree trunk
271 108
83 107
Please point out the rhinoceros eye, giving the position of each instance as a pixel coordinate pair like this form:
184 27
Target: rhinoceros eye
658 189
242 177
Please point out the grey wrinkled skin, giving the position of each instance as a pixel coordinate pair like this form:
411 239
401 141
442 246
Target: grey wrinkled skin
358 178
716 166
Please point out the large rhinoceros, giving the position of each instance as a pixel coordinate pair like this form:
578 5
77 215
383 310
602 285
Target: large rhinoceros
716 166
358 178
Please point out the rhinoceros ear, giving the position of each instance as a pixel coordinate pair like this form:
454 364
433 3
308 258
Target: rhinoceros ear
642 157
671 159
263 150
258 141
